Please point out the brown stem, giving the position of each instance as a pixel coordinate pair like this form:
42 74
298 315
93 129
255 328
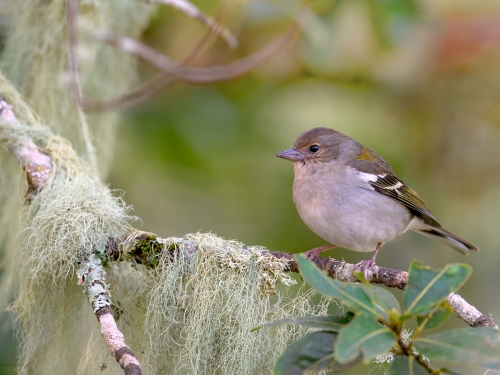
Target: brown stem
147 89
115 342
74 76
408 351
91 275
217 73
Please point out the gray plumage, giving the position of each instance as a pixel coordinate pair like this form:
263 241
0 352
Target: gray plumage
350 196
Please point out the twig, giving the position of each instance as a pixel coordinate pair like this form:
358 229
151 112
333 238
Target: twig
74 76
146 90
217 73
468 313
193 11
74 80
36 164
136 96
92 276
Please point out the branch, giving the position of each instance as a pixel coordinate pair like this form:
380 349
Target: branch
92 276
38 168
36 164
217 73
145 248
193 11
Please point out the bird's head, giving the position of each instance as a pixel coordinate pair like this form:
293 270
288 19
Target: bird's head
320 145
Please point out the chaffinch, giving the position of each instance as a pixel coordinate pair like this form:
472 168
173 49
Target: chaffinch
349 195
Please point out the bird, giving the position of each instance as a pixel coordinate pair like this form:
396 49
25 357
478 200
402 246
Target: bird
350 196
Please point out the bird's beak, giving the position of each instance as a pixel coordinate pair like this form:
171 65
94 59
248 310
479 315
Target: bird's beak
291 154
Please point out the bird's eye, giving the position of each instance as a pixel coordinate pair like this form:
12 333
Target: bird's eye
314 148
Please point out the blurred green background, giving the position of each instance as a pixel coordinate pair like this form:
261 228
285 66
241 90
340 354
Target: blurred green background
416 81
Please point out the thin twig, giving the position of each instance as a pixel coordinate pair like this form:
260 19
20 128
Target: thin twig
193 11
92 276
146 90
217 73
74 80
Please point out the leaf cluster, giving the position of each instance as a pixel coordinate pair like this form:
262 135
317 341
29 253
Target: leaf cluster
374 326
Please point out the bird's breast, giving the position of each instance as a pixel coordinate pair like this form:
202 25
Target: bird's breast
343 209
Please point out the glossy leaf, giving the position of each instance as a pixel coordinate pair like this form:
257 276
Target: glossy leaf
385 300
325 323
313 352
356 296
427 287
406 366
363 335
438 318
479 345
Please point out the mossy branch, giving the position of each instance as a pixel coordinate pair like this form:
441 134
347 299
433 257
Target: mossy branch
91 275
145 248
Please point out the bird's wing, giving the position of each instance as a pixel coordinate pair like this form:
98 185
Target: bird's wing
396 189
379 174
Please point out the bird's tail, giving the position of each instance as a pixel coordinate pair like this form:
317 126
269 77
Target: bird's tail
450 239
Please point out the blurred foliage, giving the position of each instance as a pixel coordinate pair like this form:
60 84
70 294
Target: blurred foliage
418 82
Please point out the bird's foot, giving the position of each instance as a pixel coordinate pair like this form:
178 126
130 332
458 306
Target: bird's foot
313 253
367 267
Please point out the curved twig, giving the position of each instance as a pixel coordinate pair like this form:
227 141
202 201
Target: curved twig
193 11
217 73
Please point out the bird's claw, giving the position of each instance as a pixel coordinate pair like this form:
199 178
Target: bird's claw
367 267
313 253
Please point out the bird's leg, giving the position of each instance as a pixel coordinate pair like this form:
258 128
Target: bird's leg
313 253
369 264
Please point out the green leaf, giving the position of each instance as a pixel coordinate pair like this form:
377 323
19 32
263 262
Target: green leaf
427 287
385 300
363 335
326 323
479 345
356 296
406 366
438 318
313 352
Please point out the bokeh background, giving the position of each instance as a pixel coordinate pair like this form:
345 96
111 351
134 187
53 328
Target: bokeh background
416 81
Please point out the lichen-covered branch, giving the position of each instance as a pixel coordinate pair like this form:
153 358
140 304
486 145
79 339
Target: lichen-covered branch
468 313
343 271
144 248
35 163
91 275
